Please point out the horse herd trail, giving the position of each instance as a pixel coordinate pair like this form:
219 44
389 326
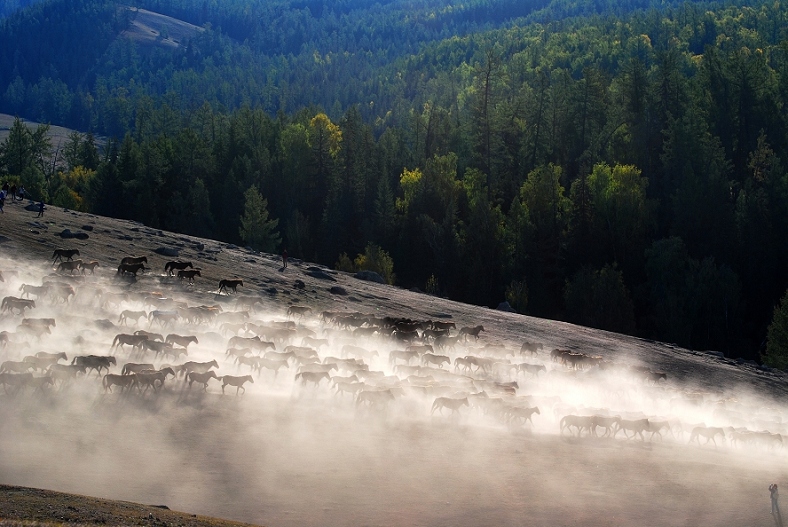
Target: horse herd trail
351 418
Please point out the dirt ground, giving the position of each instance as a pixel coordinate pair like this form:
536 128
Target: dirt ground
283 454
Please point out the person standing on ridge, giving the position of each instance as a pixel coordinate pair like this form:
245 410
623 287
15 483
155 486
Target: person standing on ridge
284 259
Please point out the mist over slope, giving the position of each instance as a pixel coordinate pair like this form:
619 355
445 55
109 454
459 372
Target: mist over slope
377 449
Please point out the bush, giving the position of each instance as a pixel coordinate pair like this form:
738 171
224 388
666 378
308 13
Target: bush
431 287
517 295
378 260
345 264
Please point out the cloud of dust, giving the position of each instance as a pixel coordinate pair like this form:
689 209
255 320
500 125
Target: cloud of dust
287 452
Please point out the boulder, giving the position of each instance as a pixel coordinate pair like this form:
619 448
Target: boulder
81 235
299 284
316 272
168 251
504 306
337 290
369 276
87 227
66 234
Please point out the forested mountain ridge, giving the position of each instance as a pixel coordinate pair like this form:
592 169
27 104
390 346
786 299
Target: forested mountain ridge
621 170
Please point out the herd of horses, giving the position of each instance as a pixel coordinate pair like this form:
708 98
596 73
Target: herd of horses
375 361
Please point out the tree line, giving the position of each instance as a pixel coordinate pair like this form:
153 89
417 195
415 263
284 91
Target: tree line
619 171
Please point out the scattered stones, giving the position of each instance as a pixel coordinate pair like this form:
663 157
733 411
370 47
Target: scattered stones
370 276
197 246
168 251
338 290
271 291
299 284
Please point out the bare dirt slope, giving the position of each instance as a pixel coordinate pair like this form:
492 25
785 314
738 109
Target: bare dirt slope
284 453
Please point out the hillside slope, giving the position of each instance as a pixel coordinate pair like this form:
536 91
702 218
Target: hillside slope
283 453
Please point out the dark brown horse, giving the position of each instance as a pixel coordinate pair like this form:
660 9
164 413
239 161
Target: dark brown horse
170 267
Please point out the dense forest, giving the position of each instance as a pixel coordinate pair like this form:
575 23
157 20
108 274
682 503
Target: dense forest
614 164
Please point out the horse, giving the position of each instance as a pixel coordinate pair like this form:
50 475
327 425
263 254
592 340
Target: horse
236 381
189 275
89 265
299 311
70 266
68 254
135 341
149 378
39 322
134 260
180 266
129 314
156 346
446 402
94 362
181 340
201 378
63 372
37 290
636 426
531 347
429 358
131 268
12 366
199 367
131 367
62 292
576 421
19 380
708 432
151 336
533 369
404 355
352 387
374 397
437 324
472 331
272 364
521 414
113 379
41 363
313 377
52 356
164 318
11 302
224 285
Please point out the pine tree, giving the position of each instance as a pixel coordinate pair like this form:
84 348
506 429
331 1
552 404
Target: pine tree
257 230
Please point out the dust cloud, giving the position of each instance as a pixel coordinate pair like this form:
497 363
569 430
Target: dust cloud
370 443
